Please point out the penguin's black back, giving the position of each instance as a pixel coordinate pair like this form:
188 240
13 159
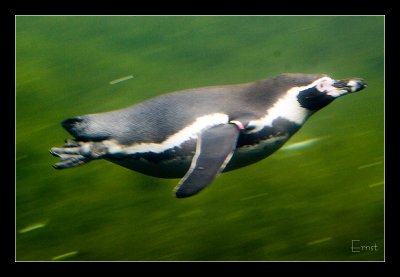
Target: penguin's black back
156 119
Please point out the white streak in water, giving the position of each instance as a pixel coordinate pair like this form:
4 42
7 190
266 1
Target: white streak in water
369 165
376 184
319 241
121 79
300 145
65 256
254 196
32 227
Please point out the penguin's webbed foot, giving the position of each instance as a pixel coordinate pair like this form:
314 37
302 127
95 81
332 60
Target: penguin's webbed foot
68 161
76 153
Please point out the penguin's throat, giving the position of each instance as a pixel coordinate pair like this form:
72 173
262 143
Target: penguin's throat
287 107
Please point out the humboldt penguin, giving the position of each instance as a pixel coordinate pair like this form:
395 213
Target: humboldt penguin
196 134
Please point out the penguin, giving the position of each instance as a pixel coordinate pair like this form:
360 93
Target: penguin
196 134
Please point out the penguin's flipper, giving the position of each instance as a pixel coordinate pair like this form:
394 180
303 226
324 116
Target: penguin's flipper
215 147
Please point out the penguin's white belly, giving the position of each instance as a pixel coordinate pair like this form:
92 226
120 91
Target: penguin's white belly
250 154
177 166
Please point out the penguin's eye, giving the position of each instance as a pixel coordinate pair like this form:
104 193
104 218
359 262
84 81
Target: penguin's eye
324 85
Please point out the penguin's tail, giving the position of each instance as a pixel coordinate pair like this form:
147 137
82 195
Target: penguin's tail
86 128
77 126
73 125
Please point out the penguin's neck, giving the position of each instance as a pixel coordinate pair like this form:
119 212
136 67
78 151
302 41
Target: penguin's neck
286 107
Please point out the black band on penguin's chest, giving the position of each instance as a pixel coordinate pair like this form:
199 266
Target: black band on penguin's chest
280 127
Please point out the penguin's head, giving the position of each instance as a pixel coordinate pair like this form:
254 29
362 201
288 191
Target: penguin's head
323 90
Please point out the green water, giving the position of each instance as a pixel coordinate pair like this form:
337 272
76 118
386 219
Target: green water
304 204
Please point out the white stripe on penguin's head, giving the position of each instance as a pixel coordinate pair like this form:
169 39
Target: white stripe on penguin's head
288 107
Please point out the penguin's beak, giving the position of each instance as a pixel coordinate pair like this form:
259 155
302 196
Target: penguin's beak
346 86
350 85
